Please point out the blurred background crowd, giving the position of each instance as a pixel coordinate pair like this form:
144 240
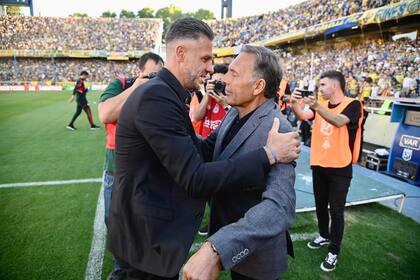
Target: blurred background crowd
78 33
237 31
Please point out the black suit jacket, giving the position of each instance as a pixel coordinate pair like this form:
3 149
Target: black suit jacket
162 181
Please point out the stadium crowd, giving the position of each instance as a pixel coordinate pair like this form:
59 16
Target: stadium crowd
76 33
236 31
388 68
62 70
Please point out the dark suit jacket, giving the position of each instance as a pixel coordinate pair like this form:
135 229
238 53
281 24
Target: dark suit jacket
162 181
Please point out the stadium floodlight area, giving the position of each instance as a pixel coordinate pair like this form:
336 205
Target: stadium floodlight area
366 187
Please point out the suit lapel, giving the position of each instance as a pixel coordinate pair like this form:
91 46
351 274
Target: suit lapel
246 130
224 128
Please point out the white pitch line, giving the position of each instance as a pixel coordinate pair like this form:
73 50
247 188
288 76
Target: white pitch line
304 236
51 183
97 248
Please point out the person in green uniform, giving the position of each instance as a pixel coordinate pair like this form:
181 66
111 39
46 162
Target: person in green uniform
111 103
82 104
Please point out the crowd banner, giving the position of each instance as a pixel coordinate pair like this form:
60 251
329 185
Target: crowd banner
135 53
117 56
391 12
98 87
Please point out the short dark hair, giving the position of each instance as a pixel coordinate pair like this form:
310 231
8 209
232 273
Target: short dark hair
335 75
220 68
188 28
84 73
149 55
266 67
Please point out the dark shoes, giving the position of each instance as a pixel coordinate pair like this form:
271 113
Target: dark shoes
329 263
318 242
331 259
93 127
71 127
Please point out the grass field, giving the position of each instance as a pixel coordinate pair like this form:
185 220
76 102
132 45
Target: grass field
46 231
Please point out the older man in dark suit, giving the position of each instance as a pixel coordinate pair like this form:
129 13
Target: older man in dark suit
162 179
248 227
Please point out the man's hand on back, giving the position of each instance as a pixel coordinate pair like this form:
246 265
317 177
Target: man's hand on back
286 146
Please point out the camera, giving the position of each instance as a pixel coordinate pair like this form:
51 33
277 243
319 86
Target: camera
219 86
130 81
150 76
304 92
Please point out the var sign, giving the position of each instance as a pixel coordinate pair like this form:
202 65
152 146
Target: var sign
410 142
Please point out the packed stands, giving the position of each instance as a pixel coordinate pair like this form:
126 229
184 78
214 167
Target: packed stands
237 31
63 69
46 46
79 33
393 67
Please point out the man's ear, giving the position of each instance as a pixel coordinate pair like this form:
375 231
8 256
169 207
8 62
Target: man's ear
259 86
138 72
180 52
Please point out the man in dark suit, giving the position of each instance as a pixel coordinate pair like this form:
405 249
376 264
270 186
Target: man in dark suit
162 179
248 227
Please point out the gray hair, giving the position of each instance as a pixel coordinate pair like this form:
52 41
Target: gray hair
188 28
266 67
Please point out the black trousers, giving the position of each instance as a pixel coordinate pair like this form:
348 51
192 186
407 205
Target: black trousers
330 189
135 274
79 108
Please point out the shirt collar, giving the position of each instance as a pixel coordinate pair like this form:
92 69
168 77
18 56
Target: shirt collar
173 82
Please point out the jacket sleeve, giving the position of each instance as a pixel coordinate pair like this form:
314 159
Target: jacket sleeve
271 217
207 145
162 121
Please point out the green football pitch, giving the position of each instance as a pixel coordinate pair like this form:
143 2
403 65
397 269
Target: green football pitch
46 231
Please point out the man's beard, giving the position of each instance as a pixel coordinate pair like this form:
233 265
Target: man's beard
194 83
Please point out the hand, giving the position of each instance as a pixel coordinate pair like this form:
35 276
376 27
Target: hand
311 101
209 86
219 98
286 146
295 97
203 265
139 81
71 99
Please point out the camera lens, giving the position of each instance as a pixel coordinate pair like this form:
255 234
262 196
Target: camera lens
219 87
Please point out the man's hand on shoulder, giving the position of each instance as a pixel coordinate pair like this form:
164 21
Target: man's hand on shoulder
282 147
203 265
138 82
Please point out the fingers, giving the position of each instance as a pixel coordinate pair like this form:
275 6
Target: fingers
276 126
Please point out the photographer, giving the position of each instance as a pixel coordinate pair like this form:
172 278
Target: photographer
211 109
109 109
335 147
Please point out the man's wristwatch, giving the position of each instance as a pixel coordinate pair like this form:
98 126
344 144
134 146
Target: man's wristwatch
213 247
